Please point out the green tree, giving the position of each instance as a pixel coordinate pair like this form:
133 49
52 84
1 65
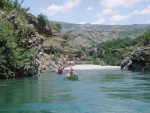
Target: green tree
2 3
42 20
8 53
146 37
58 27
66 36
13 57
16 4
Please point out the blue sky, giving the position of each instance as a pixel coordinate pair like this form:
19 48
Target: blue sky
107 12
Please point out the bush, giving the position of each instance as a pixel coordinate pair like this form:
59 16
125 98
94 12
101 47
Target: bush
13 58
56 56
2 3
145 38
66 36
42 20
8 53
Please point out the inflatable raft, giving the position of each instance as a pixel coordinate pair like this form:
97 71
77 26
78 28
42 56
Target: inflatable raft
72 76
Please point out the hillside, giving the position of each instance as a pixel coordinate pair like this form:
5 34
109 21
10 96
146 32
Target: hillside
30 45
87 35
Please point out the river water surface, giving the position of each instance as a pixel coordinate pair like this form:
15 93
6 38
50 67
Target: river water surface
96 91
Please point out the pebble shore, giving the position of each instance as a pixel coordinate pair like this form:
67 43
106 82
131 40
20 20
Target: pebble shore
84 67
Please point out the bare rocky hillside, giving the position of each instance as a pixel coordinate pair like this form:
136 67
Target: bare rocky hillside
87 35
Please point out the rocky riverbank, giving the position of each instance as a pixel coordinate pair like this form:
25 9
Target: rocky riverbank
138 59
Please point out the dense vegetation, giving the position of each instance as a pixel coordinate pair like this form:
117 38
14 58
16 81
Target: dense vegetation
16 29
13 54
112 52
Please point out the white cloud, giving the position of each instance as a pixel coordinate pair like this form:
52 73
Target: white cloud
82 22
117 3
53 9
113 24
135 12
119 17
105 12
89 8
146 10
99 21
148 21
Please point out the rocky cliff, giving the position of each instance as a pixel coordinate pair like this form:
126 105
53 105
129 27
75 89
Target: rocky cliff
45 48
137 59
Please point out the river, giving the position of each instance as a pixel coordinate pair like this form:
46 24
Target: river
96 91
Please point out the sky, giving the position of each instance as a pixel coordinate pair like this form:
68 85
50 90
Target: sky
105 12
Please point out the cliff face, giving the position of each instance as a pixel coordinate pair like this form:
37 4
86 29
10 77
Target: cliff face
138 59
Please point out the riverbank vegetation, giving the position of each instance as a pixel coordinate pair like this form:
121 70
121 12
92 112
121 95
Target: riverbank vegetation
112 52
21 35
13 53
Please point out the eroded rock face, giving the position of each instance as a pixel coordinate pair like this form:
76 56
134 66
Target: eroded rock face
137 60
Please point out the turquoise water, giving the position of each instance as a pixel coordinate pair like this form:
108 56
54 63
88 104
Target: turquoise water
96 91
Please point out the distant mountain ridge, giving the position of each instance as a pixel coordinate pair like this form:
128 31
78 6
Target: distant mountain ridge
87 35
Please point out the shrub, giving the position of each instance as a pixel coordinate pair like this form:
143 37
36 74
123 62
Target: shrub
8 53
13 57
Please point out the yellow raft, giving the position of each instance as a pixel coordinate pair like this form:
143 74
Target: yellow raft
72 76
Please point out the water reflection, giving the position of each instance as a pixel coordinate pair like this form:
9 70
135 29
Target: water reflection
135 86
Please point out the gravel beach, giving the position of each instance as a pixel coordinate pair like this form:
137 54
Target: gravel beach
91 66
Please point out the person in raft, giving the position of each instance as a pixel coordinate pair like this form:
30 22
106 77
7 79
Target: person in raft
71 71
60 70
